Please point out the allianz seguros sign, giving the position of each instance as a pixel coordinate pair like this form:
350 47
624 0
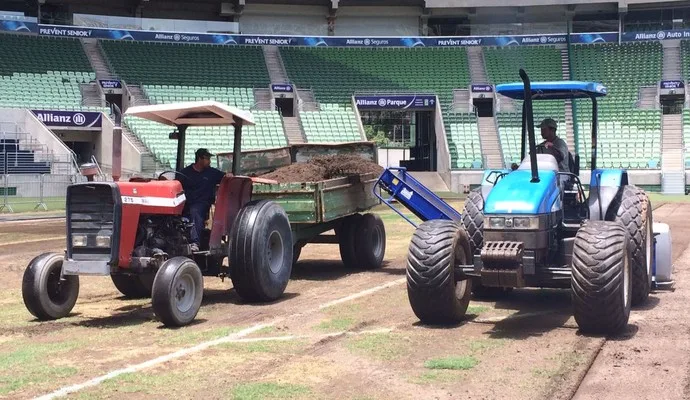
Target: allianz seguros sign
69 119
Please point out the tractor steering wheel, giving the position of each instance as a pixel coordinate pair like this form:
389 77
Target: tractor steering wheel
163 178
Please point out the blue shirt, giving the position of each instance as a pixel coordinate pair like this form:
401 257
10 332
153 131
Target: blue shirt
199 187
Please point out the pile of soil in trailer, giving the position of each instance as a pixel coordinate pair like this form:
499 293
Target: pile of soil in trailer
324 167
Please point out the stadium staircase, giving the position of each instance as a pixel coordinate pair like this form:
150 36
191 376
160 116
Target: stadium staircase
672 62
672 168
262 99
461 100
90 95
137 96
293 130
475 58
307 100
491 149
647 98
276 69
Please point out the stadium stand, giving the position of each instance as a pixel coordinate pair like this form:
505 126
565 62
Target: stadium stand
343 72
175 72
42 72
463 140
334 123
628 137
543 64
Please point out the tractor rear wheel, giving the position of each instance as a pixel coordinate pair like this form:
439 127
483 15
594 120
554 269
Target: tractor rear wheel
177 291
260 253
435 296
601 281
633 209
134 286
46 294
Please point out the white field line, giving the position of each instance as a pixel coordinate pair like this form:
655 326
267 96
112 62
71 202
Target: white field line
204 345
47 239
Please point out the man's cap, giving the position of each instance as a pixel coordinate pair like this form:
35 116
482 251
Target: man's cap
548 122
203 153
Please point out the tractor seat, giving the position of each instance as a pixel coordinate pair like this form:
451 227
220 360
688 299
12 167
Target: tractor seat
545 162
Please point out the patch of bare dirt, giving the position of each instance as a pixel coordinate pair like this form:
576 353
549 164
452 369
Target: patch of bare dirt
324 167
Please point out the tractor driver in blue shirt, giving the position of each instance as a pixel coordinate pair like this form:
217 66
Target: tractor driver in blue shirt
199 181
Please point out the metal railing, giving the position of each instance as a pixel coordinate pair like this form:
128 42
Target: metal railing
31 192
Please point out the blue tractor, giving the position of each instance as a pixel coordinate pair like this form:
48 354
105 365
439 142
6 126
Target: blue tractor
535 226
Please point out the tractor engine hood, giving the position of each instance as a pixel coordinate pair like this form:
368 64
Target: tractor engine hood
515 194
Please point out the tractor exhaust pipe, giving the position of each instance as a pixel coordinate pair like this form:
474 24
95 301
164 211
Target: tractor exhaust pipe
528 118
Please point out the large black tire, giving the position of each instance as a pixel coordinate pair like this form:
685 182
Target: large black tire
434 295
473 222
178 289
347 237
46 296
602 278
134 286
260 251
473 218
632 208
370 242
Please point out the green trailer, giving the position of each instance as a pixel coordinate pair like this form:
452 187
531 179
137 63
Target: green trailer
315 209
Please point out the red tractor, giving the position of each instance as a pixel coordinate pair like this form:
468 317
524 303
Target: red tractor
136 233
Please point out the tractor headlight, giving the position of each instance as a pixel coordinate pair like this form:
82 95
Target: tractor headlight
526 222
102 241
497 222
79 240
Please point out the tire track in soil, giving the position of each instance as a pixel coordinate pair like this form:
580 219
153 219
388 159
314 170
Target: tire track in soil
620 367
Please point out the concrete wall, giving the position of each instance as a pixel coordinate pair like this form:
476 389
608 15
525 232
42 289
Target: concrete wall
377 21
392 157
442 151
131 158
636 177
265 19
28 123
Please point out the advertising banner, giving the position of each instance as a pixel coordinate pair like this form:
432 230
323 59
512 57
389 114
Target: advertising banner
671 84
482 88
74 119
396 102
110 84
314 41
282 88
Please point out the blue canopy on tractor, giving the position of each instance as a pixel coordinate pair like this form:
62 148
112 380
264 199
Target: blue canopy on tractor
553 90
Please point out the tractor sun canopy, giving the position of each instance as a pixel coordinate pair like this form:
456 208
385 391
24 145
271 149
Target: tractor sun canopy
197 113
553 90
193 113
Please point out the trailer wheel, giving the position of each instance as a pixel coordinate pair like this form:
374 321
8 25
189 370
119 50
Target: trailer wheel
434 294
370 242
260 251
296 252
46 295
177 291
633 209
347 234
601 281
134 286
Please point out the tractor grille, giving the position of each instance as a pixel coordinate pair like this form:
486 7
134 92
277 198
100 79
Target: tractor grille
92 211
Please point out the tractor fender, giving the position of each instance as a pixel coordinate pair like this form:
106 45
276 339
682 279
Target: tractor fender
604 185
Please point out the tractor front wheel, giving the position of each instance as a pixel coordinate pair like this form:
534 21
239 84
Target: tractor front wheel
602 278
48 295
261 251
436 297
177 291
134 286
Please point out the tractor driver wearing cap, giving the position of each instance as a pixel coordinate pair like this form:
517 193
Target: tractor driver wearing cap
553 144
199 181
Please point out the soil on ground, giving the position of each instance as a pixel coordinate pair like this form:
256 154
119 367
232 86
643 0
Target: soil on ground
324 167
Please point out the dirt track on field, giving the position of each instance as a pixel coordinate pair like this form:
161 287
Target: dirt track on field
524 346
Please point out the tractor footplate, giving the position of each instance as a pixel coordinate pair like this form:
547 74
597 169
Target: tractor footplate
502 255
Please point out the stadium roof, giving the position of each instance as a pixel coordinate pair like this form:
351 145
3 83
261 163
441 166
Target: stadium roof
192 113
553 90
